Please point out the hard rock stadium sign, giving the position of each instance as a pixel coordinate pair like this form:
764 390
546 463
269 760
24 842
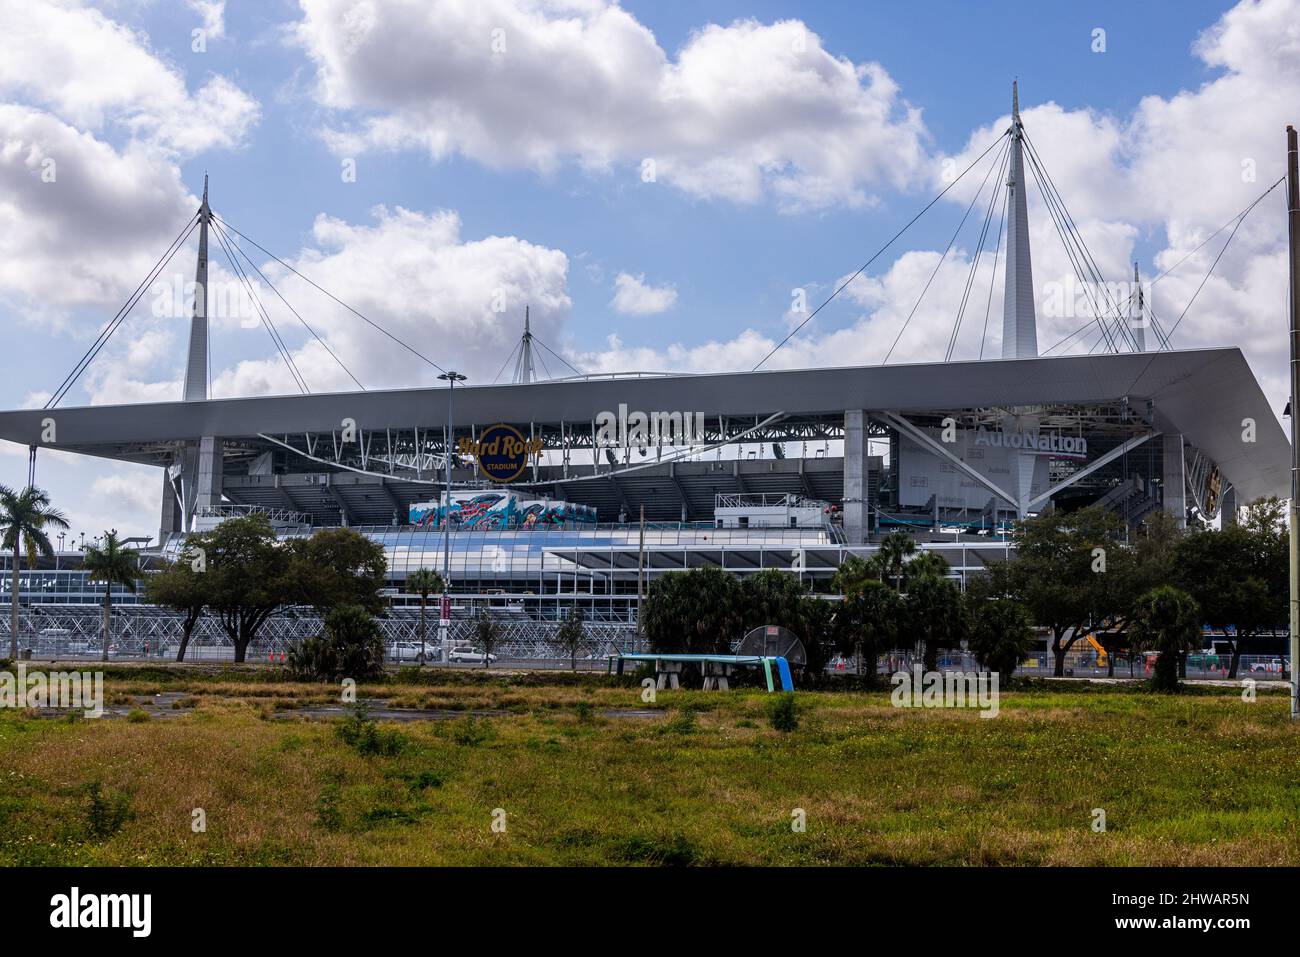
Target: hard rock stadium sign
502 452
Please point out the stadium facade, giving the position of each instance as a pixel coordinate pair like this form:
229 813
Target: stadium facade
791 469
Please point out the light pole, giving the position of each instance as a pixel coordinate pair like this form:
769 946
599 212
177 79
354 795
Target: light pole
1293 509
444 612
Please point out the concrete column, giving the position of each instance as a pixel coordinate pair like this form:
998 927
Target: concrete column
201 481
170 521
1174 484
857 514
1228 508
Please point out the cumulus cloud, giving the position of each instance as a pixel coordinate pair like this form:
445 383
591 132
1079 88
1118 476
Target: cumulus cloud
633 296
93 125
79 218
412 273
95 73
743 112
1174 171
1177 169
213 13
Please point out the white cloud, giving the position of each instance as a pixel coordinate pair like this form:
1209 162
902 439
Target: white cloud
743 112
450 299
101 223
632 296
95 74
213 13
1176 170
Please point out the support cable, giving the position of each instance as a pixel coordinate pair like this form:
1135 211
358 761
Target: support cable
112 326
861 269
979 249
939 264
1087 257
370 322
993 278
239 249
266 318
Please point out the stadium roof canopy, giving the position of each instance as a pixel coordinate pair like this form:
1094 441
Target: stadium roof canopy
1205 394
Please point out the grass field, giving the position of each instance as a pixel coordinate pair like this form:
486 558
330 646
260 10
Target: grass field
586 773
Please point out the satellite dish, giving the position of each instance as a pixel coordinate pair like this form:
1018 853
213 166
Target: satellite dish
774 641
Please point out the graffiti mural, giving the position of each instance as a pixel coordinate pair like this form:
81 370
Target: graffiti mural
502 510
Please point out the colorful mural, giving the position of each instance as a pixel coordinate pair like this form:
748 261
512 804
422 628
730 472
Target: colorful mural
503 510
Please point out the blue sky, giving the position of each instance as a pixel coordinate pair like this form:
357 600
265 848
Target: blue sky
1145 141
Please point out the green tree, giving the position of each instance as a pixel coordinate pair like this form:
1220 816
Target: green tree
776 597
424 582
867 623
1166 621
337 566
1238 578
1070 571
487 633
248 576
935 613
851 574
570 634
1001 635
182 587
894 551
698 611
112 563
351 646
25 518
925 565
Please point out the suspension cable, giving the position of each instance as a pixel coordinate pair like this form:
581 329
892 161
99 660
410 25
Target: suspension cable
979 249
370 322
113 324
239 249
939 264
993 278
276 339
876 255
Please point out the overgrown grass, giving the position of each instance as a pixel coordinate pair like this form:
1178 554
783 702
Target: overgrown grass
1200 778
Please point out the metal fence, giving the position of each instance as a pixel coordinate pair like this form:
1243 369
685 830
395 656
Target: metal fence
146 632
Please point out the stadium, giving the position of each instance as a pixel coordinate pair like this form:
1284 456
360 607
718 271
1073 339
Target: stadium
543 493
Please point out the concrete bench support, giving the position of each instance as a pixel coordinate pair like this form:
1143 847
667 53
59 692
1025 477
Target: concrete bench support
667 674
717 676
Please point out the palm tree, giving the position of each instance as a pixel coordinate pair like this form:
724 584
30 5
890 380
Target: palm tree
24 518
895 549
111 564
423 582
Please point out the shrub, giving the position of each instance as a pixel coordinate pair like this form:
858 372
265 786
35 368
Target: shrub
782 712
351 647
684 723
470 732
136 715
364 735
105 814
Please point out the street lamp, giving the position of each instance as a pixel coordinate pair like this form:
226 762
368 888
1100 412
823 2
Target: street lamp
444 615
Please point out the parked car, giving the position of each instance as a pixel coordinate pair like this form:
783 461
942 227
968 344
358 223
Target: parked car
1273 667
412 651
468 653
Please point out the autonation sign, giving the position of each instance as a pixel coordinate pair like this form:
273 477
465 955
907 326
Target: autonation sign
1031 440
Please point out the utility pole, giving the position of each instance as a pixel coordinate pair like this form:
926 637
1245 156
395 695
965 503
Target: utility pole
1293 510
640 576
444 611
